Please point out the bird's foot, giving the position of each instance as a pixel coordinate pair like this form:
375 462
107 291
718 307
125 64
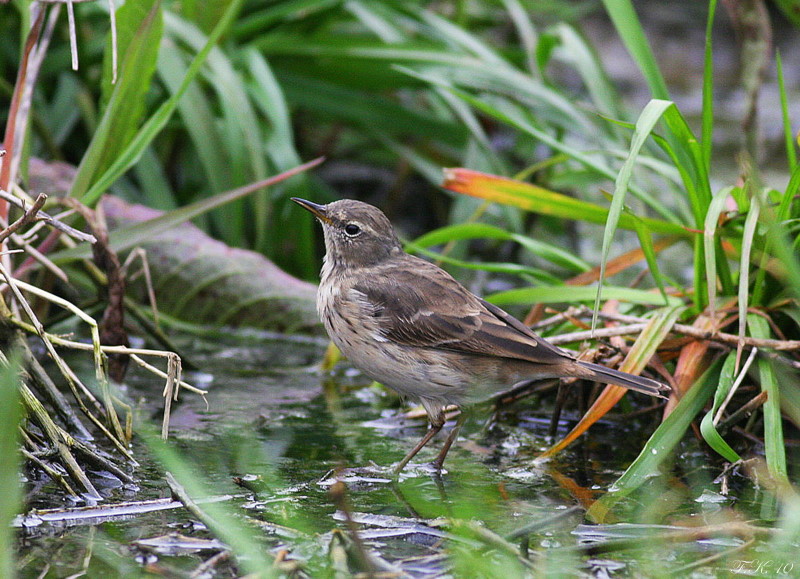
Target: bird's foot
359 475
411 469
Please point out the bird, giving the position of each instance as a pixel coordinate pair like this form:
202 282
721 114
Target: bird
408 324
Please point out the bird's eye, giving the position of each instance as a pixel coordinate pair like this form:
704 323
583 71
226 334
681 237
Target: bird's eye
352 229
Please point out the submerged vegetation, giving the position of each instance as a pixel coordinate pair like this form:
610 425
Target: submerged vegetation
565 195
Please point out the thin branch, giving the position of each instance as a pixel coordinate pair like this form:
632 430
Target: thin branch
601 333
71 231
26 218
783 345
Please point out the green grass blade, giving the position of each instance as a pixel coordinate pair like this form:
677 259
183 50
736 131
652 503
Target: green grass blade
792 189
128 157
11 497
649 251
203 13
708 87
515 119
788 135
699 274
153 182
129 18
241 142
644 126
526 32
748 234
688 155
333 101
447 67
715 209
125 108
459 37
587 63
552 253
571 294
380 24
255 23
528 273
630 31
707 428
774 447
269 99
196 112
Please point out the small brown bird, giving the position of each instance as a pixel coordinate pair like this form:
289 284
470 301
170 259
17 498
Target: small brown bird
409 325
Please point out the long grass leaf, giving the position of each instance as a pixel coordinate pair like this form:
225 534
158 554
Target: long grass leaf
748 235
588 65
649 250
569 294
550 252
708 87
128 157
382 26
128 19
707 428
688 156
460 37
330 100
525 31
196 111
715 209
630 31
269 98
540 200
774 447
11 497
788 134
493 267
241 142
123 113
644 126
452 67
789 196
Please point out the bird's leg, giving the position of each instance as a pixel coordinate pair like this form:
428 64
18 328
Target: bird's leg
436 426
561 397
451 438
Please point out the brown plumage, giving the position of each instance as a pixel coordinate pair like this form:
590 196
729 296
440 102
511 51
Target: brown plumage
408 324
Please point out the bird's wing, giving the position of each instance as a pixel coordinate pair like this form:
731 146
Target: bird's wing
421 305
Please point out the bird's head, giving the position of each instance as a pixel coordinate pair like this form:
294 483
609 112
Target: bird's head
357 234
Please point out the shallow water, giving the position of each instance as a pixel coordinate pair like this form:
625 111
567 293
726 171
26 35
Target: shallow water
275 422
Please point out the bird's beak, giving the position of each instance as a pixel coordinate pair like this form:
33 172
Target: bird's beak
319 211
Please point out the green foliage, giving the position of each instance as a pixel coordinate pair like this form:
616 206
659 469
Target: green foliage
140 28
10 501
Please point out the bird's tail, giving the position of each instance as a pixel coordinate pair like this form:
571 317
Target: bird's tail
629 381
